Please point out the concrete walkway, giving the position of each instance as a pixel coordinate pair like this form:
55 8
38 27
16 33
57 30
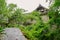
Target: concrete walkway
13 34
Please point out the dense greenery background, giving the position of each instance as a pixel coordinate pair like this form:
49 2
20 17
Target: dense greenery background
31 24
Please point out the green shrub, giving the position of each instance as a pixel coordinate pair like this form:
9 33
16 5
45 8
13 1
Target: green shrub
31 24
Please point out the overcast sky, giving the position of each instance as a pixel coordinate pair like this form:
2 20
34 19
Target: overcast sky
29 5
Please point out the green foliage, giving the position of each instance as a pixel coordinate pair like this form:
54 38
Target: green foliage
1 29
8 14
57 3
45 31
54 12
31 24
